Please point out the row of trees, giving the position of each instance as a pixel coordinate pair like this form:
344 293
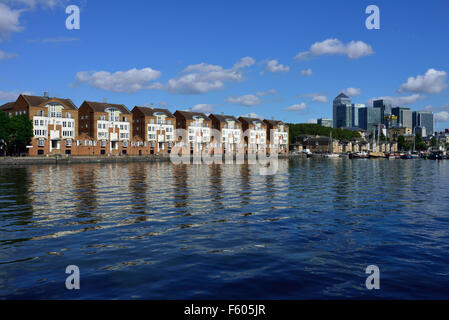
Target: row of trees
15 133
315 129
420 144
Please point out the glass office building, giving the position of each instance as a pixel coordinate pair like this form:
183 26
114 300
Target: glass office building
369 118
423 119
342 111
404 117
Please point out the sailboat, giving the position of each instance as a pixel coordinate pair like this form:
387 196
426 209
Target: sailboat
331 154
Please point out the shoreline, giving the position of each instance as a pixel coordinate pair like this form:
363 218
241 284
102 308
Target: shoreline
18 161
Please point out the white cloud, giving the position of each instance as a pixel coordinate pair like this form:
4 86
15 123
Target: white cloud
266 93
244 63
9 21
398 101
203 77
275 67
352 92
317 97
296 107
247 100
202 107
442 116
306 72
10 96
47 4
433 81
56 40
6 55
121 81
253 115
353 49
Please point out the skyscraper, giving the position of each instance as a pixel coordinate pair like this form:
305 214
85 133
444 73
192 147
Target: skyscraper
385 110
369 118
404 115
342 111
355 114
325 122
423 119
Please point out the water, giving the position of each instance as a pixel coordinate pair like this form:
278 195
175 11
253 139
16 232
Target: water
160 231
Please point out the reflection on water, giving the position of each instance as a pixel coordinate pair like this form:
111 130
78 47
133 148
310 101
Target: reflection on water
157 230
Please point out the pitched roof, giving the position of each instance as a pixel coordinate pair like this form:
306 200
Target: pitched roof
342 95
224 118
7 106
102 106
189 115
35 101
149 112
251 120
273 122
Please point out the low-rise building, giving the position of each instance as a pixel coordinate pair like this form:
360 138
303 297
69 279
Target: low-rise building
255 134
110 124
155 128
395 132
198 130
231 133
277 136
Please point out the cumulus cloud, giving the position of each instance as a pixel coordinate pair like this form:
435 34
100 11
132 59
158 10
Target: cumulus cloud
6 55
316 97
306 72
253 115
266 93
203 77
401 100
202 107
9 21
442 116
247 100
121 81
353 49
275 67
352 92
433 81
296 107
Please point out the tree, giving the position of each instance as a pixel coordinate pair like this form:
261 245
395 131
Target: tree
297 129
5 130
21 133
403 144
420 144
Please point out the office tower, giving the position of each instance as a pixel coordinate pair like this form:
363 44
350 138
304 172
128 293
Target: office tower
385 110
342 111
404 117
355 114
325 122
423 119
369 118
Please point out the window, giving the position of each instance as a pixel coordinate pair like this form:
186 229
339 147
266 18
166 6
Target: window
68 115
152 121
68 143
40 142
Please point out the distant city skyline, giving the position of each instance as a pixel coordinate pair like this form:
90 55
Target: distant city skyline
224 56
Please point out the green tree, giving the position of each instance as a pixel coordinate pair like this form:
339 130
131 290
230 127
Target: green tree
21 133
5 130
297 129
420 144
403 144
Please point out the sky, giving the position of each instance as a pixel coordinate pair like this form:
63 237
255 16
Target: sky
285 60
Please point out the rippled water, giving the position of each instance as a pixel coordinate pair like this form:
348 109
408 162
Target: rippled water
160 231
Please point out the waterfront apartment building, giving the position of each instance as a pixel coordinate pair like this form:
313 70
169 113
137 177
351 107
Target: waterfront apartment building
342 111
198 129
325 122
423 119
231 133
109 124
55 122
277 136
156 129
255 134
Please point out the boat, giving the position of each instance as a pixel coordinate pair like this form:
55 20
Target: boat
373 154
358 155
406 156
331 154
391 156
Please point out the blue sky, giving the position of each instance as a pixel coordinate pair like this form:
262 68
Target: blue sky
236 57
